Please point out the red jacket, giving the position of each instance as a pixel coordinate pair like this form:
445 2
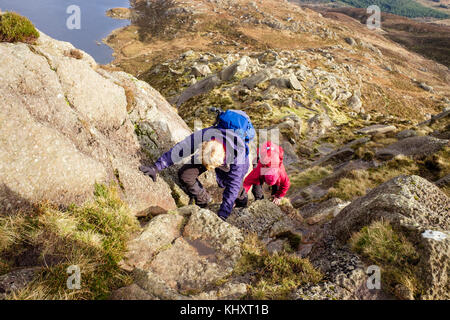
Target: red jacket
270 169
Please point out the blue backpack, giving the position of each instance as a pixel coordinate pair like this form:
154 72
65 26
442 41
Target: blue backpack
240 123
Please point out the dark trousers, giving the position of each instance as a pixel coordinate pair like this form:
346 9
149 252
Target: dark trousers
258 192
188 175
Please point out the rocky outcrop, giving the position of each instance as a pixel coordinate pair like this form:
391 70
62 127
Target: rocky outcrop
412 205
119 13
413 146
315 213
65 126
266 220
183 254
344 272
200 87
377 129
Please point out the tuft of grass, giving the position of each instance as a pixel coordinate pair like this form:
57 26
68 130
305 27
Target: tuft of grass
393 253
131 100
16 28
358 182
310 176
273 277
74 53
92 236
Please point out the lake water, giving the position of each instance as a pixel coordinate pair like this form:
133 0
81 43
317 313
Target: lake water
50 16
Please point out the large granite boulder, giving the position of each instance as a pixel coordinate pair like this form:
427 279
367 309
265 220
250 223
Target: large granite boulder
64 126
183 253
418 209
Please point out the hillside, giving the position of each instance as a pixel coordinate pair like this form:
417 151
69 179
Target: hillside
406 8
428 39
364 124
371 65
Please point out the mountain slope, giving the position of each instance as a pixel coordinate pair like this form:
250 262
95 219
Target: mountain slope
350 116
406 8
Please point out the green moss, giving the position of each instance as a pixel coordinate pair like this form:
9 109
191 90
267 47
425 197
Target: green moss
16 28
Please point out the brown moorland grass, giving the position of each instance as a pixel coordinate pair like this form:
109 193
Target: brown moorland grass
92 237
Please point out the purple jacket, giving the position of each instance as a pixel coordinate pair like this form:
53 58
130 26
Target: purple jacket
236 160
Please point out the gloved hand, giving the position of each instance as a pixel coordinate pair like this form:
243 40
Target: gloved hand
149 171
276 200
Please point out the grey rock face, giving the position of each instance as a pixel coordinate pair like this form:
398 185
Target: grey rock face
355 104
242 65
426 87
412 205
377 129
406 134
200 87
338 156
326 210
265 219
65 126
186 250
254 80
201 70
290 82
405 200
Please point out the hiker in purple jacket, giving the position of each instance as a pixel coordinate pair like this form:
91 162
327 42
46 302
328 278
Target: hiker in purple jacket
230 174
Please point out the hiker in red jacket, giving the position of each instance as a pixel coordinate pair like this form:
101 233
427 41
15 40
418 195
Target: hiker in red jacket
270 170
